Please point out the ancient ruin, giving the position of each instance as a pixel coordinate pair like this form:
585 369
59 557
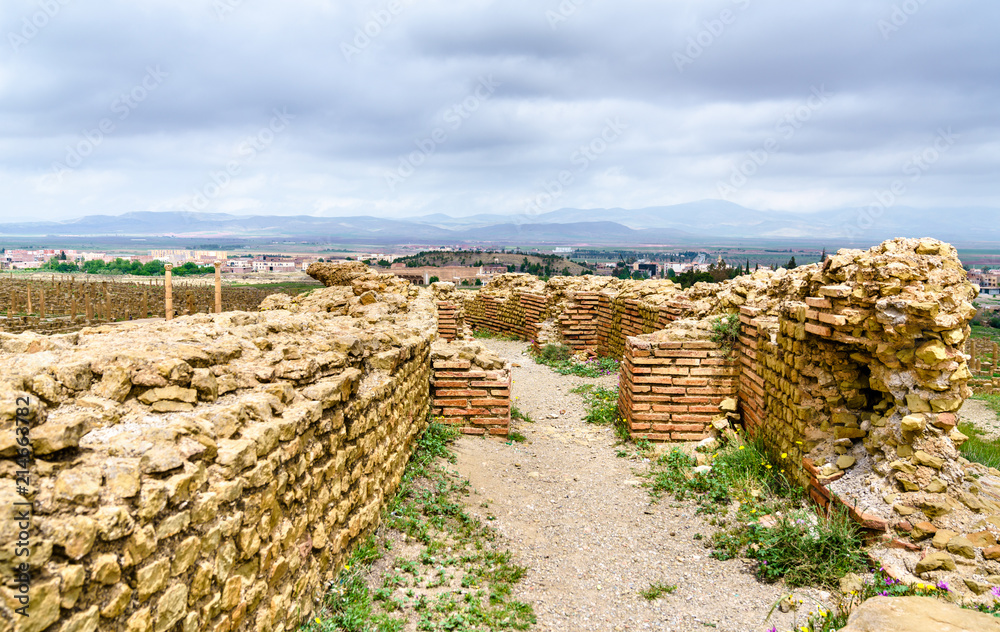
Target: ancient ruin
211 472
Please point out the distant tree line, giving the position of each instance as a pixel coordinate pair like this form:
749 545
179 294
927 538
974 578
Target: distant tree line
123 266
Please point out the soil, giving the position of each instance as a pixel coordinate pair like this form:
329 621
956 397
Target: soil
574 512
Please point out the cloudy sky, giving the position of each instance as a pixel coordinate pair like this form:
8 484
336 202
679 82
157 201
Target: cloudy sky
405 107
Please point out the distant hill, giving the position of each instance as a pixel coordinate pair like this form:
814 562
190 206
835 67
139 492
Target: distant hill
694 222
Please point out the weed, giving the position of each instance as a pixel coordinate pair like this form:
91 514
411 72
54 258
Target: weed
560 359
517 413
657 590
602 404
486 334
516 437
809 552
726 332
427 508
800 548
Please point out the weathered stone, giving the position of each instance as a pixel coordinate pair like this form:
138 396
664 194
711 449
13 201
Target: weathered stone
976 587
203 381
932 352
962 547
105 570
80 485
140 621
916 404
982 539
913 423
992 552
728 405
85 621
185 555
115 384
160 459
916 614
72 583
58 435
118 599
942 537
172 393
151 578
114 523
923 530
922 458
43 609
845 461
75 535
171 607
934 561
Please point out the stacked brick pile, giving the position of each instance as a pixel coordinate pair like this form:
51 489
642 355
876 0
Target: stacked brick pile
450 320
673 383
470 388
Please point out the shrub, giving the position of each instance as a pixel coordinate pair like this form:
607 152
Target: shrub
726 331
552 353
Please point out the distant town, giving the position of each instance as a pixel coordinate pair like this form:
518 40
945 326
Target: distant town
462 266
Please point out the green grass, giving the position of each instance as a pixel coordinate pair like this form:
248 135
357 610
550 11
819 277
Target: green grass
742 486
453 545
981 331
657 590
517 413
977 449
992 401
486 334
602 408
726 331
516 437
560 359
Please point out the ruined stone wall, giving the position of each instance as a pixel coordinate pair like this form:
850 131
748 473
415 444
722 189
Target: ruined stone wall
209 473
673 383
471 388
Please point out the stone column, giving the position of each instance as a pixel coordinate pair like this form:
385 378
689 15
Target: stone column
218 287
72 305
41 302
168 293
145 304
88 307
29 301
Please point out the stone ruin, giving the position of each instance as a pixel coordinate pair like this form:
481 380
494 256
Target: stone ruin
851 371
212 472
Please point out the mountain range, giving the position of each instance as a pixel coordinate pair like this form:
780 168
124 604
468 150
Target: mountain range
705 221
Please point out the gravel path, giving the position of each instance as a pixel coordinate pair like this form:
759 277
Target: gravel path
981 416
573 513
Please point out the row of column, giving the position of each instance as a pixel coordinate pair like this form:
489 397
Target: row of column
169 291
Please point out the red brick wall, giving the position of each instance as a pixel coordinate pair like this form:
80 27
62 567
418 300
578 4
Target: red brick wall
671 390
449 320
476 400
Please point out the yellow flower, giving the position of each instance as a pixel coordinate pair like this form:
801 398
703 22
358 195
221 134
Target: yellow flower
784 455
742 446
317 620
768 466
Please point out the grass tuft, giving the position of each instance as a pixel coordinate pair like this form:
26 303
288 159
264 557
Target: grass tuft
976 448
657 590
560 359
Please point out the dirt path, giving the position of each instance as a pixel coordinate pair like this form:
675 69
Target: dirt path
982 416
573 513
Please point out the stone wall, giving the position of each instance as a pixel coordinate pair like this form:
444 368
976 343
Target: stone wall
208 473
471 388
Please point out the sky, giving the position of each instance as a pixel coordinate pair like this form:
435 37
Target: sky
398 108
